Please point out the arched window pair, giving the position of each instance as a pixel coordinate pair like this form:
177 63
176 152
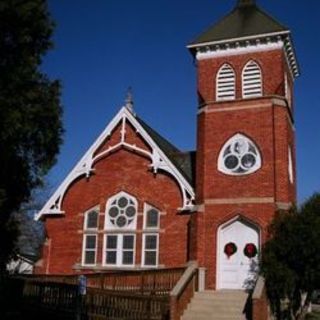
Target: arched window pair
251 82
120 228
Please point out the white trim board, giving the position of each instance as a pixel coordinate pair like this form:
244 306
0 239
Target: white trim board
239 50
249 44
159 161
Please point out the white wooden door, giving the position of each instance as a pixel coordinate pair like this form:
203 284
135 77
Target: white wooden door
236 271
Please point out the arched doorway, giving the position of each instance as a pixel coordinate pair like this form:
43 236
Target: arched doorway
238 248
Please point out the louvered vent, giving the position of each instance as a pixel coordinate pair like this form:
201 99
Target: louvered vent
251 80
226 83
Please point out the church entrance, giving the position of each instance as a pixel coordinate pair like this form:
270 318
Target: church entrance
237 256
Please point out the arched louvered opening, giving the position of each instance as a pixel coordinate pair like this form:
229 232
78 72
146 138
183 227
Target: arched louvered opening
251 80
226 83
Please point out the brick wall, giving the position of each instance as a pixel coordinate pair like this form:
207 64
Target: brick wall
126 171
268 122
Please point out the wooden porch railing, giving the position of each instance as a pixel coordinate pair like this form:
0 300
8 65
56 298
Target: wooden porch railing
160 281
51 300
183 292
130 295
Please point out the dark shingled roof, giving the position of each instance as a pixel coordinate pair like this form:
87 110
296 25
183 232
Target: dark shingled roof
246 19
183 161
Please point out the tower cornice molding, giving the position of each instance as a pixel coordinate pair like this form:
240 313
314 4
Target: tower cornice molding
257 43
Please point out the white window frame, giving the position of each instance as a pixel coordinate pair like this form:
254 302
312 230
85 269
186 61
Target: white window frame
96 209
84 249
144 250
146 208
290 165
108 225
245 95
218 84
288 92
119 250
89 232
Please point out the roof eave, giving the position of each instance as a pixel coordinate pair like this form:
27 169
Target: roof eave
195 45
285 36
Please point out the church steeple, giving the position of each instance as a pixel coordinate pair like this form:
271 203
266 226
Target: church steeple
247 24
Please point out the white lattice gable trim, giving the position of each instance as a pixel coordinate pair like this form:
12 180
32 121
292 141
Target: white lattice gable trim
159 161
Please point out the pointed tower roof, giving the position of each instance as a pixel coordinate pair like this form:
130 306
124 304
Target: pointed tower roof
246 27
246 19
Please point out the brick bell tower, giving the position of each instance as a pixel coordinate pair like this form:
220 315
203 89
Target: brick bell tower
246 66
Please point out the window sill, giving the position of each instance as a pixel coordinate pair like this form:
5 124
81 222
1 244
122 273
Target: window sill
100 267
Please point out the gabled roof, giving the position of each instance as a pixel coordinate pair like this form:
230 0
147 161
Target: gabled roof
163 155
184 161
245 20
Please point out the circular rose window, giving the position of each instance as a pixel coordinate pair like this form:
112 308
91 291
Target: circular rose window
122 212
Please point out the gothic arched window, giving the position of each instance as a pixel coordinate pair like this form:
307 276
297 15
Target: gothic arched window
251 80
90 237
226 83
121 212
239 156
119 243
150 237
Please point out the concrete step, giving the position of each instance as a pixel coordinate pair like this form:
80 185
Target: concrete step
222 293
211 317
213 308
216 305
211 313
226 300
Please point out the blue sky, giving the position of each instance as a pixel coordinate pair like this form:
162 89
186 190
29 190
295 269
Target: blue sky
104 46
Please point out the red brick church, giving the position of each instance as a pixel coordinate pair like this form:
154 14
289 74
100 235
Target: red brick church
134 201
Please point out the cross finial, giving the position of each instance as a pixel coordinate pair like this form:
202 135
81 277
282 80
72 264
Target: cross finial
129 100
246 3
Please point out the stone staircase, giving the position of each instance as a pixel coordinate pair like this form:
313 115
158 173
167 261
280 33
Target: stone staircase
217 305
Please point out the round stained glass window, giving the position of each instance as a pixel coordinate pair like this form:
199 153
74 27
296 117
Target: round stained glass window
239 156
122 202
121 221
122 212
130 211
231 162
248 160
113 212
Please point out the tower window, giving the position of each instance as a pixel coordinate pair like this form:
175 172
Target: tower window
251 80
290 165
239 156
287 89
226 83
